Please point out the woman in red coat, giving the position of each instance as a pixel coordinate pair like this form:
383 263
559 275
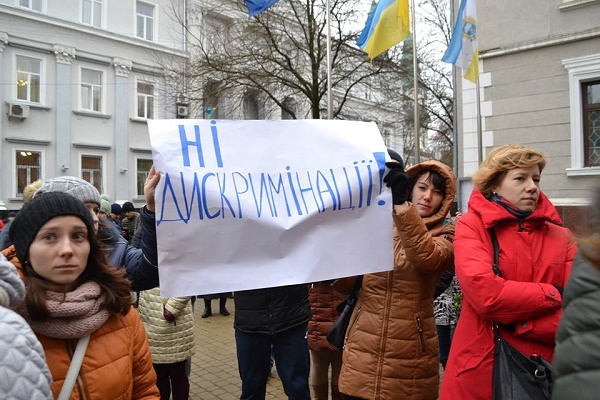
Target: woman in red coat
535 259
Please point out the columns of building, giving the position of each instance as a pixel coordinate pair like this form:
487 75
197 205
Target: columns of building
64 57
122 70
3 43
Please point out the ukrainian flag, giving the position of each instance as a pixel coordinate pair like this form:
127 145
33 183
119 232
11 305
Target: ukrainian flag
387 25
463 49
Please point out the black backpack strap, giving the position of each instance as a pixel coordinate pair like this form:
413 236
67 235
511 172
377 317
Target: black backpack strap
495 267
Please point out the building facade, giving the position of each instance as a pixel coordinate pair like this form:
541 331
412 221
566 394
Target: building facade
539 86
80 79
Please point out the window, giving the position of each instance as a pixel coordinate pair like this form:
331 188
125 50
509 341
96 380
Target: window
289 110
29 72
91 90
584 101
143 167
211 100
145 100
28 168
250 106
591 122
145 20
91 12
91 170
35 5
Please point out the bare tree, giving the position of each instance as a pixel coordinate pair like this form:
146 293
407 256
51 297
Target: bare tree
280 55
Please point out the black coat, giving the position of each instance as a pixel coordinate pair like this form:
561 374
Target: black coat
577 356
271 310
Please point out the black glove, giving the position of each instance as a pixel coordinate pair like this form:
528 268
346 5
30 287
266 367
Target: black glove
397 180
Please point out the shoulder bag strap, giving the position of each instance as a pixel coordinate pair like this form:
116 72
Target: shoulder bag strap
354 293
74 367
495 267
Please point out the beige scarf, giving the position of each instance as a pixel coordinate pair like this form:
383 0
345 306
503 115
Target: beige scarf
72 315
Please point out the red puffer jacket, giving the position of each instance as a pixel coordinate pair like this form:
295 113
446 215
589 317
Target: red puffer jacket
535 255
323 301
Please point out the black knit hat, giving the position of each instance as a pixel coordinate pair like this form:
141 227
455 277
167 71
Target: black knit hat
128 206
41 209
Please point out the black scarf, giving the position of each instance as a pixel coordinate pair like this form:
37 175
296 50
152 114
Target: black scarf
508 206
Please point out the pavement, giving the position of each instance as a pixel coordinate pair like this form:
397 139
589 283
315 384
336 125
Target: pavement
214 373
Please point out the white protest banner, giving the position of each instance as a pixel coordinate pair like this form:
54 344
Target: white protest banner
252 204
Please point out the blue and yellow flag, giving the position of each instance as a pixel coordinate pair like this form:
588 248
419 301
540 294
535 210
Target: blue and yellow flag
387 25
463 50
258 6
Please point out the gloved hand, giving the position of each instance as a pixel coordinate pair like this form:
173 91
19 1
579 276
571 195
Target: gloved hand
168 315
397 180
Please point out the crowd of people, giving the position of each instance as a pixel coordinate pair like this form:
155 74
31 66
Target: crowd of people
80 300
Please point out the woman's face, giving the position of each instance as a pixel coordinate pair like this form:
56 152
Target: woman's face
94 209
426 197
59 252
521 187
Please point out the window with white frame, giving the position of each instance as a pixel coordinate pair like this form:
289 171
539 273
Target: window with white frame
91 90
28 168
29 77
35 5
91 12
145 100
211 100
591 123
251 107
91 170
143 168
289 109
584 99
145 20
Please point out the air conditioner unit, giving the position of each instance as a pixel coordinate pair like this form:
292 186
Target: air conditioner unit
18 111
181 99
182 111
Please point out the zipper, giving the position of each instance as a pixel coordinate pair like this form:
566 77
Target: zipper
420 330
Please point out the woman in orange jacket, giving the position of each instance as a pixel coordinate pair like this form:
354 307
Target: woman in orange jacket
391 346
72 292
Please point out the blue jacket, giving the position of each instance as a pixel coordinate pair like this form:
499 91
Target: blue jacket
141 264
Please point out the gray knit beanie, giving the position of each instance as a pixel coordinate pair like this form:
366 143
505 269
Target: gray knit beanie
41 209
76 187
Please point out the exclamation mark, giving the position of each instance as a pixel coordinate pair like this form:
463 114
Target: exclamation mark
380 158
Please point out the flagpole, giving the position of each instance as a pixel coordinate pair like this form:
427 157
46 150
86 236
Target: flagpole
329 94
416 85
479 133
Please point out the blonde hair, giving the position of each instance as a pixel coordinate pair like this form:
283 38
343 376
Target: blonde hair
502 159
30 190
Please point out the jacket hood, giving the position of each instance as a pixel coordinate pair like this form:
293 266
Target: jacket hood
492 213
450 180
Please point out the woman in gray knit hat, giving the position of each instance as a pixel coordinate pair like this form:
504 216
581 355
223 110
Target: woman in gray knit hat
141 264
74 297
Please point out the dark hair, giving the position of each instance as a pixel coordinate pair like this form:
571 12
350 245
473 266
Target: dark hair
113 284
438 181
